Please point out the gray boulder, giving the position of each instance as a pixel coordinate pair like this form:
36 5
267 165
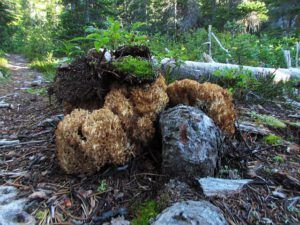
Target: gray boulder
192 143
189 213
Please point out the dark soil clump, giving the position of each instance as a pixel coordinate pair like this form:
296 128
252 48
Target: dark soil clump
136 51
85 82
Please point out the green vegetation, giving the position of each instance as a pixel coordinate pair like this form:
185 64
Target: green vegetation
37 91
245 49
3 67
47 66
269 120
40 215
102 186
245 86
278 159
145 212
294 124
114 35
136 66
273 140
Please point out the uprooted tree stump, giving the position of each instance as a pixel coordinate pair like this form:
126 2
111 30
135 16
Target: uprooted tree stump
112 105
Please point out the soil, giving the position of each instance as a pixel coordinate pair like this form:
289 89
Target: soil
32 167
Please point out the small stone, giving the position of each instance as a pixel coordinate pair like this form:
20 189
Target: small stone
221 187
191 212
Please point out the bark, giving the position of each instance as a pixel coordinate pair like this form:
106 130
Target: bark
196 70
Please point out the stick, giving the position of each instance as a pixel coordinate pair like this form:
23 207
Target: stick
297 53
23 143
5 142
209 40
287 57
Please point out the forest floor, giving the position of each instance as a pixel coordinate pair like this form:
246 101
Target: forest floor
57 198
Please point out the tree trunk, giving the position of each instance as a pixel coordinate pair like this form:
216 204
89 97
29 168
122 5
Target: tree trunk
196 70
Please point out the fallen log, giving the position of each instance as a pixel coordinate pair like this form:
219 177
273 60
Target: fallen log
197 70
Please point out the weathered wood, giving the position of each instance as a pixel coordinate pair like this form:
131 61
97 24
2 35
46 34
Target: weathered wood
297 53
5 105
287 57
249 127
196 70
14 174
5 142
221 187
209 41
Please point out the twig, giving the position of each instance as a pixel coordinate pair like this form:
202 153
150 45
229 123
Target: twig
6 143
23 143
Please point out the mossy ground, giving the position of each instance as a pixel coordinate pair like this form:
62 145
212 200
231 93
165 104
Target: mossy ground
136 66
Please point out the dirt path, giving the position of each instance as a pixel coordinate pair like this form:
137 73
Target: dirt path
32 153
27 106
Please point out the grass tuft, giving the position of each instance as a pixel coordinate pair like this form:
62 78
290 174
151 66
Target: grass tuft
269 120
45 65
272 140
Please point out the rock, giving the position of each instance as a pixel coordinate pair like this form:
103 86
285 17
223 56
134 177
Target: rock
1 75
191 212
118 221
192 143
12 209
221 187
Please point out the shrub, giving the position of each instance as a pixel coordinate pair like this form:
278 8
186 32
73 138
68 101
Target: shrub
245 86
